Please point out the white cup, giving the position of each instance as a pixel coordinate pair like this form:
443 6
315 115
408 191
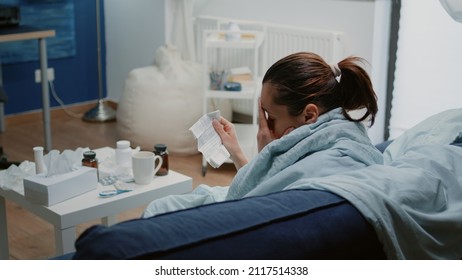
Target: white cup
144 167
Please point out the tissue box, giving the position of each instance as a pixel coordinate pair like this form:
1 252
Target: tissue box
51 190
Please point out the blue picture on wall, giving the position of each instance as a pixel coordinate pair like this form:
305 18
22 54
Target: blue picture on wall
57 15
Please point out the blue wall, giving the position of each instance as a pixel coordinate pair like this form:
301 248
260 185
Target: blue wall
76 77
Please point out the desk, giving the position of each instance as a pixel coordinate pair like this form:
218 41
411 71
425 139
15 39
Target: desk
29 33
65 216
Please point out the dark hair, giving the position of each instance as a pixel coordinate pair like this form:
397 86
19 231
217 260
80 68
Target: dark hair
303 78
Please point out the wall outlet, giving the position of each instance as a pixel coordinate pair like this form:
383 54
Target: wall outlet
51 75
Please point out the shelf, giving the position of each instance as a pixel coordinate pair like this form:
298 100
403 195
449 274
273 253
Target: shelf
213 42
217 39
243 94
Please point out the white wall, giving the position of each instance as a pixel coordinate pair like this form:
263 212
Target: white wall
354 18
428 70
134 30
365 25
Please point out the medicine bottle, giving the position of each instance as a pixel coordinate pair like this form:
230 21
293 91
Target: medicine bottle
123 153
90 160
39 161
161 150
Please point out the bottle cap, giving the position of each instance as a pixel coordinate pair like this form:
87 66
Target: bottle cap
123 144
160 147
89 154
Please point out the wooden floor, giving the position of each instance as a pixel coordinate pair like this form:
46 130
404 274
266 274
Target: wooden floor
30 237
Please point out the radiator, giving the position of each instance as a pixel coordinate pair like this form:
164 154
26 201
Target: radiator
280 40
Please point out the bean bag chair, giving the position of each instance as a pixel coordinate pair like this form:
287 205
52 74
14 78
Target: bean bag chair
161 102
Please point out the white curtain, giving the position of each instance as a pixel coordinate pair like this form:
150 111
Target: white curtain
179 30
428 76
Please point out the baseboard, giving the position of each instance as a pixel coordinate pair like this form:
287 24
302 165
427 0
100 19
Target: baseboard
79 109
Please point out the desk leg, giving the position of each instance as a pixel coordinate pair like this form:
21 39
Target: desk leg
64 240
4 251
2 117
45 93
2 110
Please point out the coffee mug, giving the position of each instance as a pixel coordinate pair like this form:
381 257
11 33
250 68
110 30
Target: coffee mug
144 166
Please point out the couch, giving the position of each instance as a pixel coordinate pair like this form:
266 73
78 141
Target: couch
297 224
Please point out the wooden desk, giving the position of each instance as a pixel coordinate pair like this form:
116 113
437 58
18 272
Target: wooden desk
31 33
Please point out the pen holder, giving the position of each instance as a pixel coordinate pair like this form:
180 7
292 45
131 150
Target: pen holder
216 79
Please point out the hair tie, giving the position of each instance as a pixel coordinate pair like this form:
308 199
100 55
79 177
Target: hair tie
336 71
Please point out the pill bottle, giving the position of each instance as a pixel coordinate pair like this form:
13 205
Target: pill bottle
123 153
39 160
161 150
90 160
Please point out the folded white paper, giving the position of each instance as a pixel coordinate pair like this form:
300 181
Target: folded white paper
208 140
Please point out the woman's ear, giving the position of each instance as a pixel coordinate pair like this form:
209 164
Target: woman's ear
311 113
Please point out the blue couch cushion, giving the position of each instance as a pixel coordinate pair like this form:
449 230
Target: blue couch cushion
294 224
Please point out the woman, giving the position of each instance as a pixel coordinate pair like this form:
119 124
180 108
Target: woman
305 130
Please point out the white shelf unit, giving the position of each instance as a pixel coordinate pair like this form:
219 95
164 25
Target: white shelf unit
213 42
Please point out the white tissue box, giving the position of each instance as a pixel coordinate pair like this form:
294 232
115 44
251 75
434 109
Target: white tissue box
51 190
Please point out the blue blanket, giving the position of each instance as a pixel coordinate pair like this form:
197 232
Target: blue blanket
413 200
332 145
414 203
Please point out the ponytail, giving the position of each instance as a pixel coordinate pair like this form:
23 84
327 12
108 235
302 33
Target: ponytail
355 89
303 78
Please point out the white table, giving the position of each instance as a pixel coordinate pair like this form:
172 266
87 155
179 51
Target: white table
65 216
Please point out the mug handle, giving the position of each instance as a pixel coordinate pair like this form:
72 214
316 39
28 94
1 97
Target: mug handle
159 165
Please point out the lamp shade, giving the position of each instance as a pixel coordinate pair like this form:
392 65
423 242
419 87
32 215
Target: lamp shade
453 8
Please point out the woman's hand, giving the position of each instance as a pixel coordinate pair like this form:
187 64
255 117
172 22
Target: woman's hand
227 133
264 135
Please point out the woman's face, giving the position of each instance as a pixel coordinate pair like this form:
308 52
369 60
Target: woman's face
277 116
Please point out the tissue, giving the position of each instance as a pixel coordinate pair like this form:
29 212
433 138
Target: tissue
67 161
12 178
